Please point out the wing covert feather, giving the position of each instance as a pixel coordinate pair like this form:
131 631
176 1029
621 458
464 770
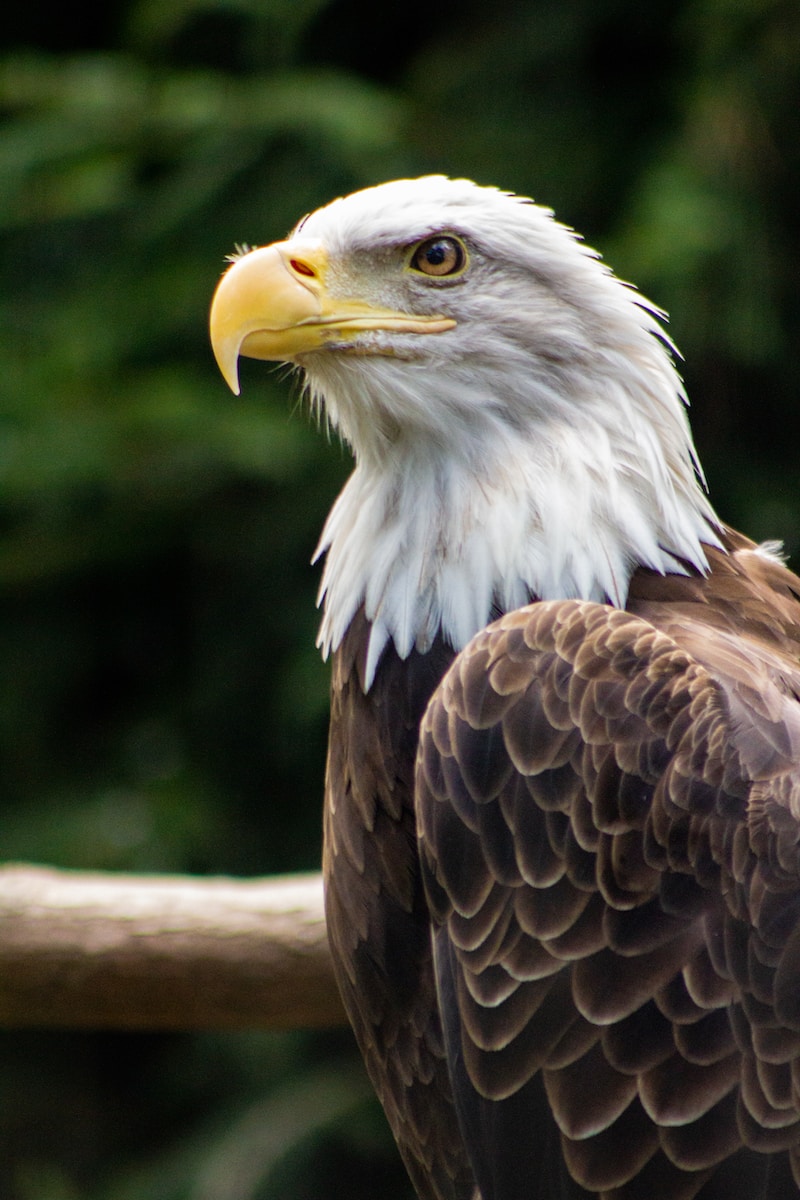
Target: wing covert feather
624 804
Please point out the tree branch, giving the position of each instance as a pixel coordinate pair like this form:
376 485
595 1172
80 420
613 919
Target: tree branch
81 950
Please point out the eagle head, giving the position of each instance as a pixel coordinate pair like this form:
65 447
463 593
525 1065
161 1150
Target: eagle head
517 421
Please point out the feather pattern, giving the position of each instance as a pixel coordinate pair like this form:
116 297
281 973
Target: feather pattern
692 949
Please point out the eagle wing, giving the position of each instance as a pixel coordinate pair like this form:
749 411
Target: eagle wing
609 840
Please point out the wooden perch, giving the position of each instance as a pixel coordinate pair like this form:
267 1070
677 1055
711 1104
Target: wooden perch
106 951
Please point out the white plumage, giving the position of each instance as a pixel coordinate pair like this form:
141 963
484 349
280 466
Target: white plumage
576 467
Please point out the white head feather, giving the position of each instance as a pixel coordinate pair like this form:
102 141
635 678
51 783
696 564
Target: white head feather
538 449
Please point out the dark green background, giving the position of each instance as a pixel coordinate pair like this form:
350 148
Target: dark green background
162 706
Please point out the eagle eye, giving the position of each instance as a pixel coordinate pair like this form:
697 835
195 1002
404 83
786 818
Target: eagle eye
439 256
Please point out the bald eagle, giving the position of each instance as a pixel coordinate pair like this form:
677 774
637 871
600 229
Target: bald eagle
562 800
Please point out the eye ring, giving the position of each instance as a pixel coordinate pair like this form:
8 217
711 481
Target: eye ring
439 257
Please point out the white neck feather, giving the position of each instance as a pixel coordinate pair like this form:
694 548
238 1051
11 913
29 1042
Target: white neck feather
465 513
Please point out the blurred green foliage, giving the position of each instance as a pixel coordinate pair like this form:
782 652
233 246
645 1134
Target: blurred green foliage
162 706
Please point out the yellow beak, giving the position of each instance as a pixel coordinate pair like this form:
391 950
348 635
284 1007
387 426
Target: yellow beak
273 304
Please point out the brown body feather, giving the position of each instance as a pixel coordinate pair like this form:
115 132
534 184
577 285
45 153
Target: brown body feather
609 814
378 920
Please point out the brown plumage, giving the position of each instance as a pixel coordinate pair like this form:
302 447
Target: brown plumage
640 857
561 855
378 921
610 856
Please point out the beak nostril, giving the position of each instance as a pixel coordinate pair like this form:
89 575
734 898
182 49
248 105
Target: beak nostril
301 267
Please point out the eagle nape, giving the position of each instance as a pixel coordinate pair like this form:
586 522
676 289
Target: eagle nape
562 799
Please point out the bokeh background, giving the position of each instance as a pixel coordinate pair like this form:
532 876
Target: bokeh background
162 706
